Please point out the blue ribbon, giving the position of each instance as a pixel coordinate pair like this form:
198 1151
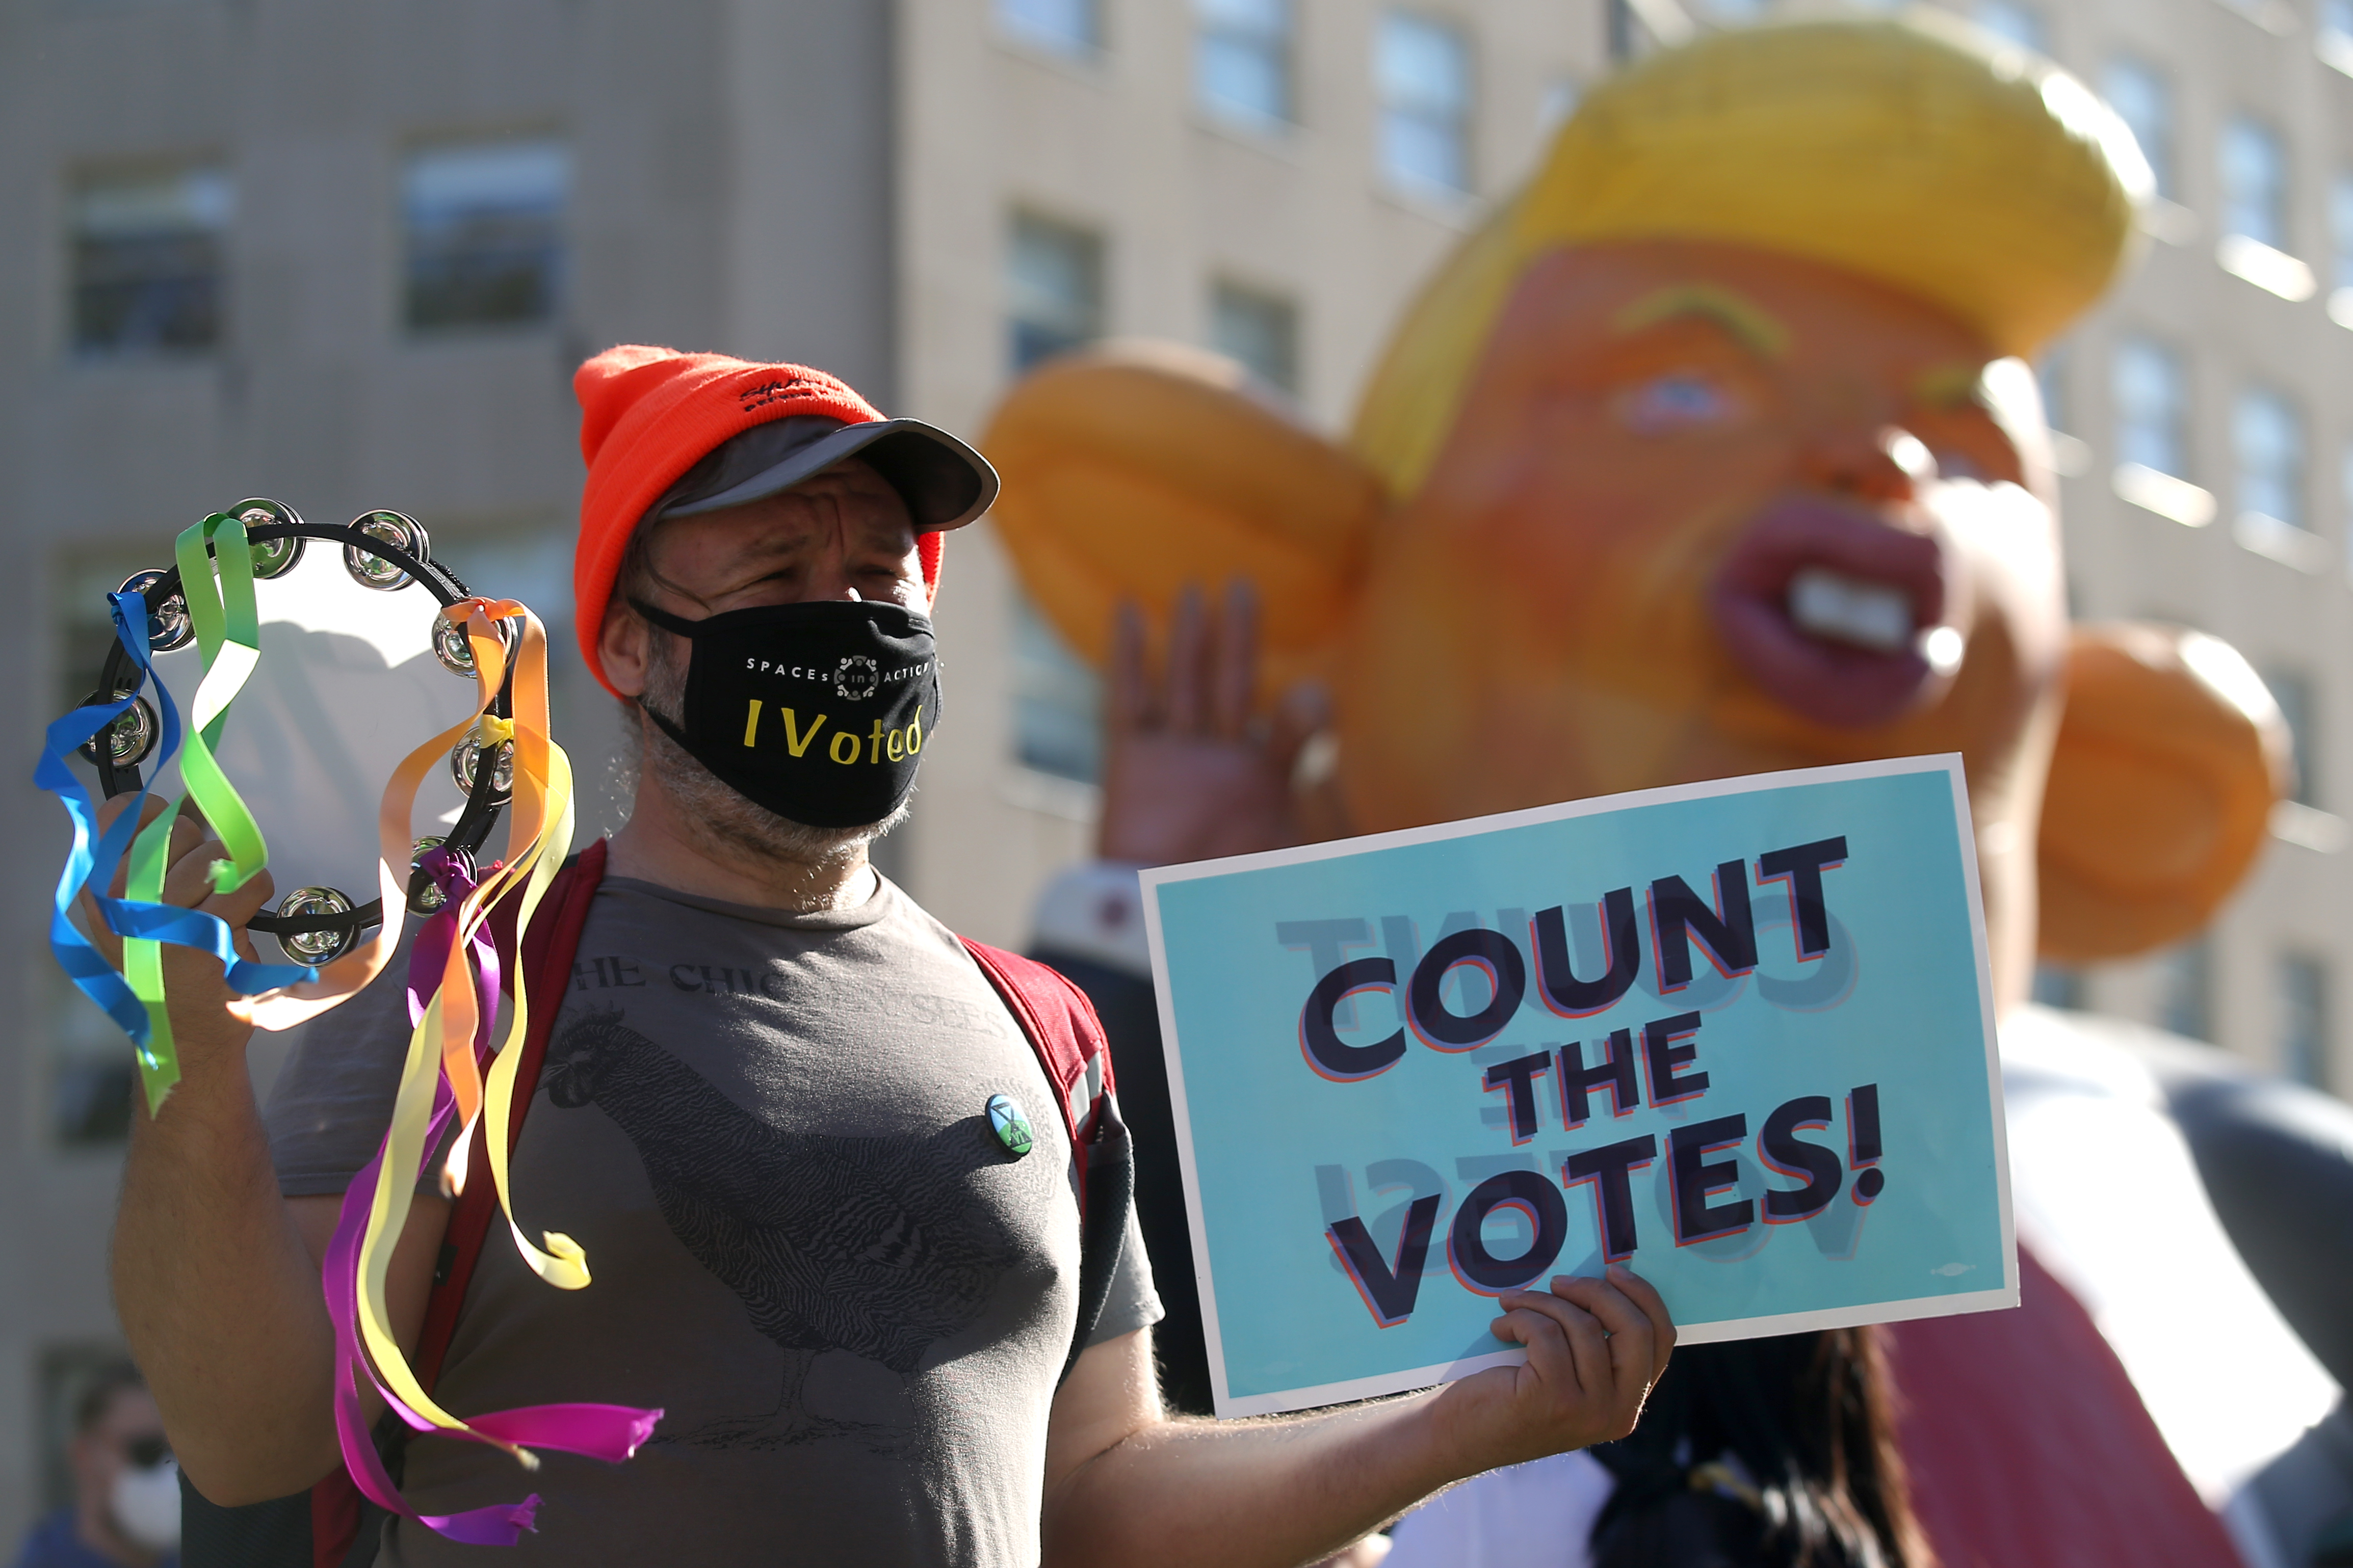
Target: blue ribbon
94 855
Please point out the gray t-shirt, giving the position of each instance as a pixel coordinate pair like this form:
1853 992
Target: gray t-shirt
808 1247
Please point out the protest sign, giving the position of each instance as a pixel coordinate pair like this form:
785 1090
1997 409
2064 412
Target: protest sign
1737 1035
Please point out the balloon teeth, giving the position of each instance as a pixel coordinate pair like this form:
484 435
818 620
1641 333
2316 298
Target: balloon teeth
1839 608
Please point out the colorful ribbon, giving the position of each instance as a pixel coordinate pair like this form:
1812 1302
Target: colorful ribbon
134 995
442 1083
452 1075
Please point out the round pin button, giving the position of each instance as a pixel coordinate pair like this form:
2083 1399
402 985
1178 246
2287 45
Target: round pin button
1012 1128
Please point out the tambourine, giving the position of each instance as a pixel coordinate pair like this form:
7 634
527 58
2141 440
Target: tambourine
342 673
382 554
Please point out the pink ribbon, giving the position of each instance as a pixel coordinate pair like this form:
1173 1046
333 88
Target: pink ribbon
608 1432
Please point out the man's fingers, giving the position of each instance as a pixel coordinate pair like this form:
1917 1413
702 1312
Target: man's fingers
1541 1334
189 881
108 810
1235 679
93 926
1130 706
245 903
1629 1331
1653 1308
1588 1344
187 832
1187 695
1304 711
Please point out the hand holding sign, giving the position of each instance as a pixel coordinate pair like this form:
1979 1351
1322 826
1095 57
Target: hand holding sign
1594 1349
1734 1006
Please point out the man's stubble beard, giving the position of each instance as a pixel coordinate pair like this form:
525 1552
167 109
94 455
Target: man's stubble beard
708 807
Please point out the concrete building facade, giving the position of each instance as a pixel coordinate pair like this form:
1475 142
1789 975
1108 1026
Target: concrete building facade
347 255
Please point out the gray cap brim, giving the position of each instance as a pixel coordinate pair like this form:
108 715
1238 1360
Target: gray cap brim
944 483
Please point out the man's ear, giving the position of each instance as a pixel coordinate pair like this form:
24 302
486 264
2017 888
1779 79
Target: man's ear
2169 759
623 643
1137 469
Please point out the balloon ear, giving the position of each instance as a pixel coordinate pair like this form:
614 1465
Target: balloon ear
2170 758
1137 469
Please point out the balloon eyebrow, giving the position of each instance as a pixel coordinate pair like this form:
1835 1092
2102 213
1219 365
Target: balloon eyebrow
1954 385
1757 328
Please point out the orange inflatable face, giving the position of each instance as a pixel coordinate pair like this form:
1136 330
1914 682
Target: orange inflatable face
1706 510
1709 510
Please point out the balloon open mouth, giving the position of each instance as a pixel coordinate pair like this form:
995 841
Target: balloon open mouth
1836 615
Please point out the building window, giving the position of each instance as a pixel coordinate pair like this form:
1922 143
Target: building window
147 261
2303 1019
1053 287
2254 184
2151 407
2345 494
2007 19
2058 986
2332 37
2292 692
485 234
2051 374
2143 99
1259 329
1242 58
2185 997
1070 26
1423 77
2340 247
1056 700
2267 442
1560 99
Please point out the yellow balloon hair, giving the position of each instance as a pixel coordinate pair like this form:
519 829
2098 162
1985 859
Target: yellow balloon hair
1919 152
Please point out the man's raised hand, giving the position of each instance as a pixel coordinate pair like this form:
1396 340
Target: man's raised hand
1191 771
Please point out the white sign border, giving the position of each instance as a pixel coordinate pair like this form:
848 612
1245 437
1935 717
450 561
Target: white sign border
1154 878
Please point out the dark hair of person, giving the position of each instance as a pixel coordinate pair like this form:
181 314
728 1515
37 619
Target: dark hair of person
1772 1453
98 1395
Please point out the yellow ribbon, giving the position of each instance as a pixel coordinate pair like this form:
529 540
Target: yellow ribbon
539 834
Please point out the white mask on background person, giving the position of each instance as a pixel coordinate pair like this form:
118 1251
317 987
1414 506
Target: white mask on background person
146 1505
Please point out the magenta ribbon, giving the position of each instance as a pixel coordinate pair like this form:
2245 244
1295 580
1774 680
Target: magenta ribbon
452 872
608 1432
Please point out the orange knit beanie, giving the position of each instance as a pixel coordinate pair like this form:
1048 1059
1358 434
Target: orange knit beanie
649 414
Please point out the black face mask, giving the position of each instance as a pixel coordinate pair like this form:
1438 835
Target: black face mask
816 712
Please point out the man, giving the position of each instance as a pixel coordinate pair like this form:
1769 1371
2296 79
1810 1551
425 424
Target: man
126 1508
766 1045
1713 452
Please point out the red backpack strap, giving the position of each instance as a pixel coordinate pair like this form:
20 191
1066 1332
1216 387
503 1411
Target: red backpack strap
1061 1028
547 964
546 967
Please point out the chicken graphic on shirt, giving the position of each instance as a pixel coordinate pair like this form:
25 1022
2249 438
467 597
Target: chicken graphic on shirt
873 1246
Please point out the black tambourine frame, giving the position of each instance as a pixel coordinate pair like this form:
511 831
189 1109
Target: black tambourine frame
483 799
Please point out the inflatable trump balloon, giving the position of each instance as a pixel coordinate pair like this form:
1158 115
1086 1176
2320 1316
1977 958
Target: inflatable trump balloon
1716 451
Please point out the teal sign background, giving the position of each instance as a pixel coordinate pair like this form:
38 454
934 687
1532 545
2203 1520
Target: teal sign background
1275 1153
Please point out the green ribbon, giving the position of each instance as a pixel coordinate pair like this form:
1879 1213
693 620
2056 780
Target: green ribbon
228 634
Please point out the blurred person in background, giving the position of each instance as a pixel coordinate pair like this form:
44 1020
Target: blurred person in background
126 1507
